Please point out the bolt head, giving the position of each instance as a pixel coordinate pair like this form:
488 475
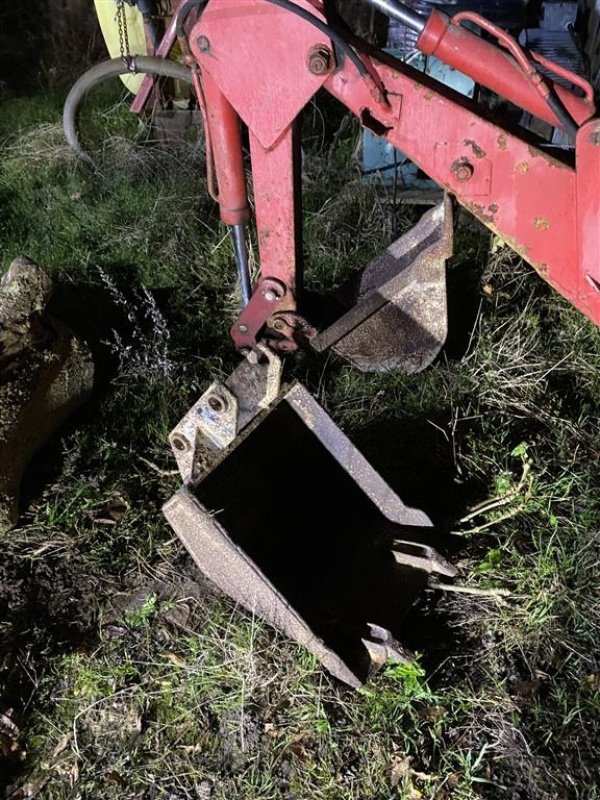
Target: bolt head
203 44
462 171
270 297
243 328
320 60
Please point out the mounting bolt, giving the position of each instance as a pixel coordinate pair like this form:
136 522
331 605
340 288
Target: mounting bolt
320 59
243 328
462 170
179 443
279 324
270 297
203 44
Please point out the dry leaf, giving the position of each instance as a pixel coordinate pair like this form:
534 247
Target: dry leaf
301 753
111 512
591 682
175 659
9 735
62 743
400 769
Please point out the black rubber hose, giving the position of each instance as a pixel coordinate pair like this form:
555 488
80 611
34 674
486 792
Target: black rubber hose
335 37
112 68
560 111
184 14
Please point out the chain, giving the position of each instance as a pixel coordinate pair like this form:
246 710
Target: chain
123 33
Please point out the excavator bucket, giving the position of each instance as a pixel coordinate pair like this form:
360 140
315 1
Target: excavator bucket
395 313
284 514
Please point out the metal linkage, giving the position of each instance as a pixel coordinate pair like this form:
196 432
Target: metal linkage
225 409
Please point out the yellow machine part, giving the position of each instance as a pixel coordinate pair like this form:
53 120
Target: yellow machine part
106 11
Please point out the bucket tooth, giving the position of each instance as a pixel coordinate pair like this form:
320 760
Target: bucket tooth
383 648
287 517
424 557
397 314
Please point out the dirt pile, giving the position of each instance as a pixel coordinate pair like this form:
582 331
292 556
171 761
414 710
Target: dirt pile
45 374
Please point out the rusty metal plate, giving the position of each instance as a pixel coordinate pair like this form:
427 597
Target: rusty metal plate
397 316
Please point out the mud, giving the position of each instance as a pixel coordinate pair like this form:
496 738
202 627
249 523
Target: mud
48 606
52 606
46 372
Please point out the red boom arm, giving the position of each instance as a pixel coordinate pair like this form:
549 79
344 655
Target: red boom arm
262 64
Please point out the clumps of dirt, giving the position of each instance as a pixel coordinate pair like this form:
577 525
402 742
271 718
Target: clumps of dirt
45 599
51 604
240 734
48 605
46 372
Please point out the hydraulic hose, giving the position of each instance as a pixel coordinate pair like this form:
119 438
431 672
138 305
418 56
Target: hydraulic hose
184 13
112 68
326 29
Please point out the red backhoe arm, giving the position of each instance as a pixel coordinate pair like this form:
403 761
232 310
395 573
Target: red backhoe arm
261 61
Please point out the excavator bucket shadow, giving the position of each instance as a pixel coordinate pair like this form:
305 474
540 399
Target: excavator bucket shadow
293 523
396 310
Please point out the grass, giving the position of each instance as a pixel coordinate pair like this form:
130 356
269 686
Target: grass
124 676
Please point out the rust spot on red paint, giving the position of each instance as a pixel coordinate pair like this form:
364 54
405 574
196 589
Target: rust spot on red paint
502 141
522 167
428 94
479 211
552 162
485 214
478 151
476 208
519 249
541 224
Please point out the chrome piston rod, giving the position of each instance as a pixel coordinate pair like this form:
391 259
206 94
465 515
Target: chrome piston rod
398 11
238 236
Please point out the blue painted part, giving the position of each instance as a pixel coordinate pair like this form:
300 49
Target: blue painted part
382 161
